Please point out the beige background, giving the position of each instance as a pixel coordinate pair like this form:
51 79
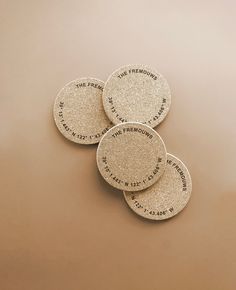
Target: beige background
61 225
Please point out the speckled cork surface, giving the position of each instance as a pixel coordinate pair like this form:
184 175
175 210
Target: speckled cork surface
131 156
136 93
167 197
79 113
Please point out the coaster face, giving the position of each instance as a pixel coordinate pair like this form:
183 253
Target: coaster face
167 197
131 156
136 93
78 111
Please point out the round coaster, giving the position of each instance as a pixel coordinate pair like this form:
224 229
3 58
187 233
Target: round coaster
131 156
167 197
136 93
79 113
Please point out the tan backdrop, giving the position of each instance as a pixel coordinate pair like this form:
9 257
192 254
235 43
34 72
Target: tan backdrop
61 225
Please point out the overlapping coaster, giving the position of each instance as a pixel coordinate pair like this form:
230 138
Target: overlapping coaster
79 113
131 156
136 93
167 197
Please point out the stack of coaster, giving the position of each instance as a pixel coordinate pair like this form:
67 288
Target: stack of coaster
120 115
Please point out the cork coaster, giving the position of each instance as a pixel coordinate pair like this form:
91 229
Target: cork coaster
167 197
79 113
131 156
136 93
